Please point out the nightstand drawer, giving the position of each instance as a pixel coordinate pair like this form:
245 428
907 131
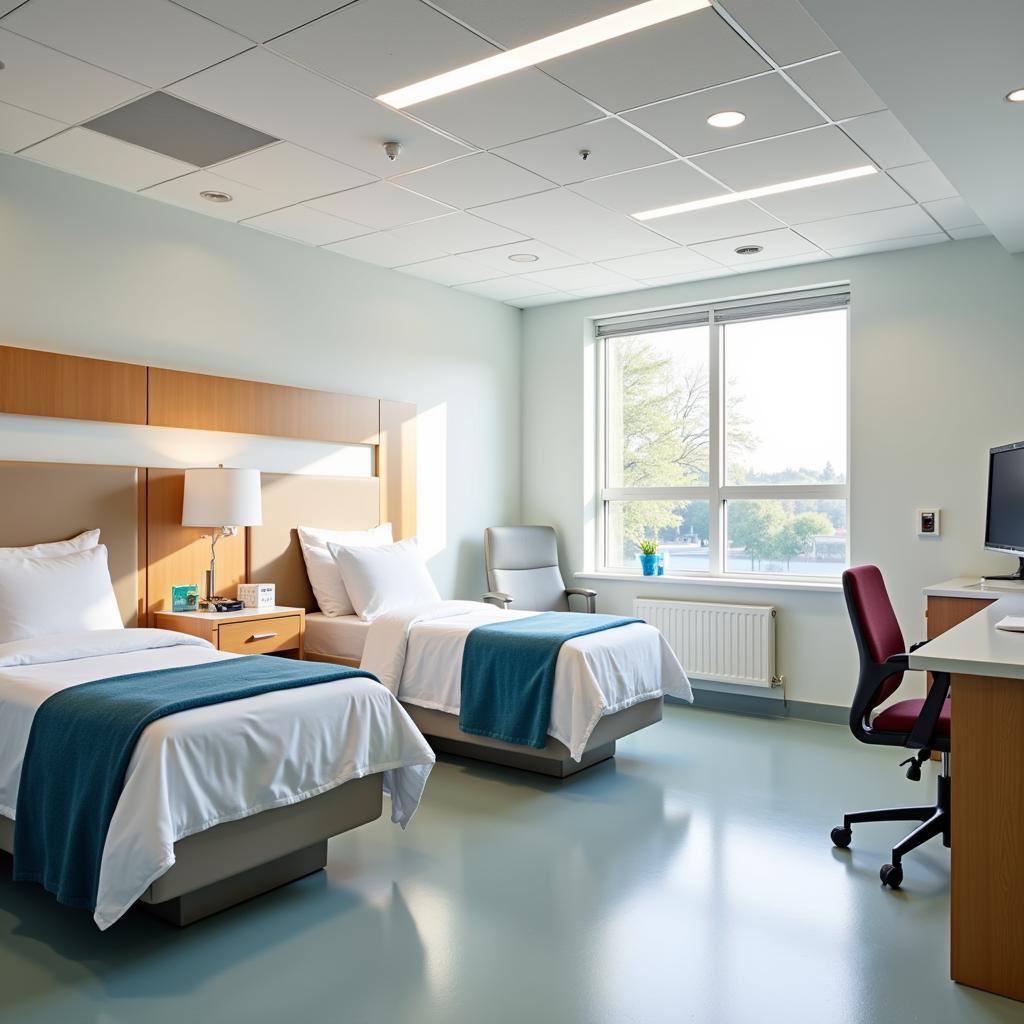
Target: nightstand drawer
262 636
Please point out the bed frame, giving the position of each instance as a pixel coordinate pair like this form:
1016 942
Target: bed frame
234 861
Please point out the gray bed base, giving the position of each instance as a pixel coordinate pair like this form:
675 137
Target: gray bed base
443 734
231 863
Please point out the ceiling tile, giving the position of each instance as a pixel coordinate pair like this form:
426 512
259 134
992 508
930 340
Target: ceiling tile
715 222
662 264
293 172
574 224
20 128
612 147
650 187
497 257
150 41
952 213
80 151
48 83
904 222
305 224
925 182
384 250
448 270
897 243
505 288
837 87
678 56
817 151
507 109
457 233
800 259
547 299
976 231
840 198
359 44
380 205
884 139
246 202
658 282
771 104
587 275
782 28
473 180
602 290
513 24
274 95
261 19
8 5
776 245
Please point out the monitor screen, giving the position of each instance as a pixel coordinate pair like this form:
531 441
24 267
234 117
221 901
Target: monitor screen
1004 521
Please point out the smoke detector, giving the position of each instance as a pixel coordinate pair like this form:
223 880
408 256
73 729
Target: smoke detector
213 196
749 250
392 149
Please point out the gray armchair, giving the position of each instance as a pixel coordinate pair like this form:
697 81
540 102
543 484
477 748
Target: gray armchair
522 567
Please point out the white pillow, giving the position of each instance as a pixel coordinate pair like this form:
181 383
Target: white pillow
324 578
381 579
43 596
84 541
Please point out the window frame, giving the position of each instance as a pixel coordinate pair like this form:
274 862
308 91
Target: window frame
716 493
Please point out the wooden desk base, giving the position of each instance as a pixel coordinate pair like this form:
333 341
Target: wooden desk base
987 887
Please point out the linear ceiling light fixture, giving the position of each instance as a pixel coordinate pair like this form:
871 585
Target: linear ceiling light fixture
621 23
757 193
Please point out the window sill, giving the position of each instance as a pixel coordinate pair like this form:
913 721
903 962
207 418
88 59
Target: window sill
822 586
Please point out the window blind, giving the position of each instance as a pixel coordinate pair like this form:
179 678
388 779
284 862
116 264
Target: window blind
668 321
784 307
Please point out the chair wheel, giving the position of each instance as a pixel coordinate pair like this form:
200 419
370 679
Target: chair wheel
841 837
891 875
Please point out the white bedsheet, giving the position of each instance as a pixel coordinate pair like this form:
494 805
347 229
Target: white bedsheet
198 768
417 653
340 636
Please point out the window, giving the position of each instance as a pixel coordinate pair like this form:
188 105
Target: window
724 438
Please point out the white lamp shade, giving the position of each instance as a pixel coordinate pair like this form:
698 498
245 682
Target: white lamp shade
222 497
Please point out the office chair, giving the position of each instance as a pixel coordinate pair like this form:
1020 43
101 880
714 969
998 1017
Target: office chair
522 566
922 724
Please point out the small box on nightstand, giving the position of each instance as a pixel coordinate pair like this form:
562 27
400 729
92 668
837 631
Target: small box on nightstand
257 595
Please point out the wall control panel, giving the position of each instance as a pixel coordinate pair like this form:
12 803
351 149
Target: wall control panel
928 522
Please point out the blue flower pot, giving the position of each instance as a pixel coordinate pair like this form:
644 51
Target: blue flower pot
649 565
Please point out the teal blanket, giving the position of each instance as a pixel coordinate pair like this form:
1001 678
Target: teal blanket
81 743
508 673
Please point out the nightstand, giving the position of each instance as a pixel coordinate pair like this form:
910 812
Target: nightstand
251 631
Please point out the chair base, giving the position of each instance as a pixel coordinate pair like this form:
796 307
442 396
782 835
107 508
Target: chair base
935 821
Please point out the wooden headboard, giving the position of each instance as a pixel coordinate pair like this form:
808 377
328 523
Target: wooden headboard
47 501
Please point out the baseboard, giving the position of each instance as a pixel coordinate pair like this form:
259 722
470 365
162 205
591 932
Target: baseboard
766 707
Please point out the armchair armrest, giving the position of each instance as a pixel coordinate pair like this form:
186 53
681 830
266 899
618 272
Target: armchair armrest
590 595
496 597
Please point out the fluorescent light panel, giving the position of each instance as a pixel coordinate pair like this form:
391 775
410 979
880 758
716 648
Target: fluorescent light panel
621 23
757 193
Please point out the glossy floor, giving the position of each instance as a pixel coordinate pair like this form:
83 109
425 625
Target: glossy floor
690 880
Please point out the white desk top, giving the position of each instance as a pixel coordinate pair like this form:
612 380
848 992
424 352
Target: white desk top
242 613
976 647
972 586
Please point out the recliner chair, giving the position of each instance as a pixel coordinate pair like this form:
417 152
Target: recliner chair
522 569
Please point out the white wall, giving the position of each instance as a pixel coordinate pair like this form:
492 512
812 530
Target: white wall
92 270
937 364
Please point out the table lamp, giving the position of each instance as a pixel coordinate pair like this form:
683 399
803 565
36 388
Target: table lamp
223 499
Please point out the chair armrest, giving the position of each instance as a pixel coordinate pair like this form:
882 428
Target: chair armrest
590 595
496 597
924 728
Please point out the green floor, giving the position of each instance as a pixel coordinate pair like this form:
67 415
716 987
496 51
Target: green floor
691 879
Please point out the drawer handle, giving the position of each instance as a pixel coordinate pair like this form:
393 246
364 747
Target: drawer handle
261 636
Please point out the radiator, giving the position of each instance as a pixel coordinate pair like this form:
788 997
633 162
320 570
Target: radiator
723 643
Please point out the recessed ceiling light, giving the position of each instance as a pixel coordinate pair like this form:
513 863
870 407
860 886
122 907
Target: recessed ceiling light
213 196
757 193
1017 96
727 119
570 40
749 250
523 257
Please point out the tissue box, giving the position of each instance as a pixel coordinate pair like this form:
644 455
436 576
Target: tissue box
256 595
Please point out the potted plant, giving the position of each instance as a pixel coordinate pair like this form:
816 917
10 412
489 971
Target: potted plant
649 557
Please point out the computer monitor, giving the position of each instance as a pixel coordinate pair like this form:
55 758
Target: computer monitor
1004 517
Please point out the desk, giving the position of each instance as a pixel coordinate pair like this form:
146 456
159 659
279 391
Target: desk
987 855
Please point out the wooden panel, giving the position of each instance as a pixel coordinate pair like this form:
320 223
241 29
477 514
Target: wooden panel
946 612
396 466
177 554
202 402
34 383
987 897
